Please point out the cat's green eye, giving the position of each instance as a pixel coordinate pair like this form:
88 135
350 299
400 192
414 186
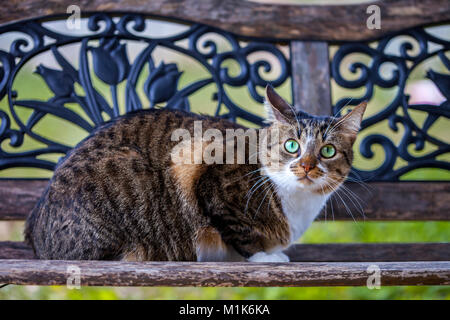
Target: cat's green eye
328 151
291 146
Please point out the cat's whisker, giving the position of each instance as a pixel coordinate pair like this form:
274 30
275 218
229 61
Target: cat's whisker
349 196
335 114
353 194
326 203
327 129
254 178
251 195
255 154
253 186
359 182
295 116
357 225
247 174
331 200
261 179
271 196
356 201
349 190
327 184
257 170
332 208
268 190
337 125
335 191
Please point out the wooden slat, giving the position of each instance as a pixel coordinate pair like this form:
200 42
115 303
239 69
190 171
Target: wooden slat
287 21
114 273
15 250
363 252
18 197
333 252
381 201
311 77
389 201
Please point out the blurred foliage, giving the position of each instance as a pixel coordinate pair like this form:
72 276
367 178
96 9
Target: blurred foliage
33 292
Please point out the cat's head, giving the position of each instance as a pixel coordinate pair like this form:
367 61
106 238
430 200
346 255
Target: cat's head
312 152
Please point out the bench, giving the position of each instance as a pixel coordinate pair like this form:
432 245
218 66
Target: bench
299 38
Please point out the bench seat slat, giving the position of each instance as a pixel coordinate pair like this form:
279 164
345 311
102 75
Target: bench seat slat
335 252
115 273
381 201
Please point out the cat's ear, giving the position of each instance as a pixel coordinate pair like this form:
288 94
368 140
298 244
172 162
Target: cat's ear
352 120
277 108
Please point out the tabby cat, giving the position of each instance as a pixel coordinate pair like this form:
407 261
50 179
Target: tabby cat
119 195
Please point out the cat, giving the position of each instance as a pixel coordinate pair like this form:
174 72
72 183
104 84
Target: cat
119 195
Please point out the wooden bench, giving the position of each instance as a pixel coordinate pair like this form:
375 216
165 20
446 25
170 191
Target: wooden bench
308 30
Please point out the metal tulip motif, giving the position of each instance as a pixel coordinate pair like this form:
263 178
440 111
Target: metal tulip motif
58 81
162 82
111 63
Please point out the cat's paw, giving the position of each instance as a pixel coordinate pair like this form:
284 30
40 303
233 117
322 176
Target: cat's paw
269 257
282 257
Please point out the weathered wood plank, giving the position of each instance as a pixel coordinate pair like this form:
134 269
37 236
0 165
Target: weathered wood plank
379 200
114 273
388 201
18 197
330 252
311 77
363 252
15 250
301 22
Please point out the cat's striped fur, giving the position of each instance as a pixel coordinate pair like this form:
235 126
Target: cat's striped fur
118 194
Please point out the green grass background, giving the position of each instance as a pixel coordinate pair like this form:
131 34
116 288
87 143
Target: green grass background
31 86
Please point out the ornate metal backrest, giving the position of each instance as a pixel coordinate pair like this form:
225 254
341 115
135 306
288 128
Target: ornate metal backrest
405 138
103 82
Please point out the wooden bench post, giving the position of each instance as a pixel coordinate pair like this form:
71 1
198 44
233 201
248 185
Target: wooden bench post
311 77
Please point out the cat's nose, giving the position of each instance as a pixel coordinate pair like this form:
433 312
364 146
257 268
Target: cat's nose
307 165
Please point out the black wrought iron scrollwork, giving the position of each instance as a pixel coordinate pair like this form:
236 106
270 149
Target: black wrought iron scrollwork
104 52
369 75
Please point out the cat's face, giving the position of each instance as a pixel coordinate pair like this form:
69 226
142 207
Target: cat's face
311 152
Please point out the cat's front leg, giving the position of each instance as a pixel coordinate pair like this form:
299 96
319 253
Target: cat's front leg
269 257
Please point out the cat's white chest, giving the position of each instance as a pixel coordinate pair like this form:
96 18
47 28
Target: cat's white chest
301 207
